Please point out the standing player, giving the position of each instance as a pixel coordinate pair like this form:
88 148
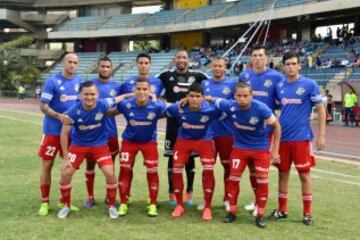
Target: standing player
60 92
143 64
263 82
108 88
297 96
194 135
86 122
250 119
176 84
222 87
140 133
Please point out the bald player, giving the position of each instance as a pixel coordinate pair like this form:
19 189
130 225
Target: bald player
59 93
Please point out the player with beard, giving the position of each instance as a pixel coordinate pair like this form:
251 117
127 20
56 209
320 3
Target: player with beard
176 84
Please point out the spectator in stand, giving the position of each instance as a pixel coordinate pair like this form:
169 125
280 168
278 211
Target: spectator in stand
329 106
318 61
310 60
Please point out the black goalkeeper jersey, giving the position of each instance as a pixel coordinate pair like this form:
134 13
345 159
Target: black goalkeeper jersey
177 85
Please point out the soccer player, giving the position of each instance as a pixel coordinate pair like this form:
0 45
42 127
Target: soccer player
176 84
251 144
60 92
108 88
297 96
194 135
222 87
143 64
142 115
86 123
263 82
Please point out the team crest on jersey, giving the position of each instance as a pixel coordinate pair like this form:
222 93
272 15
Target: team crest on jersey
151 115
77 87
99 116
246 76
112 92
131 114
300 91
204 119
226 91
253 120
191 79
268 83
232 109
128 106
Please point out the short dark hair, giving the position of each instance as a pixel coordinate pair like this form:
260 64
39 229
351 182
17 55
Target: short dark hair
259 47
218 58
142 80
181 50
87 84
104 58
290 54
196 87
243 84
143 55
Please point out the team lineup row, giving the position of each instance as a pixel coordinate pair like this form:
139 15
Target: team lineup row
215 116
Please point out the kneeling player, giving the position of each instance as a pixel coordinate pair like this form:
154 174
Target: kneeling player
194 135
89 139
251 144
142 116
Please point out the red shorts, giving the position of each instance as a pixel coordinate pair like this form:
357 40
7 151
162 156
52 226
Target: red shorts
130 149
113 144
49 147
223 147
184 147
271 142
299 152
99 154
240 158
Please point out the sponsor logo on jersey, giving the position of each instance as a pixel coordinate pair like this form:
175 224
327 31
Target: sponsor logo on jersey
268 83
243 127
178 89
151 115
89 127
192 126
64 98
285 101
260 93
138 123
253 120
204 119
300 91
226 91
98 116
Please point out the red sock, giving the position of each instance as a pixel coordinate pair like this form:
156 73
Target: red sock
45 191
307 202
226 176
208 182
178 185
124 182
130 182
253 183
153 184
282 199
111 193
262 192
234 189
65 191
89 178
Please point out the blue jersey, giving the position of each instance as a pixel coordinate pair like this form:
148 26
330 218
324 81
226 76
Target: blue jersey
60 93
296 102
109 89
221 89
263 85
248 125
194 125
141 121
128 86
89 126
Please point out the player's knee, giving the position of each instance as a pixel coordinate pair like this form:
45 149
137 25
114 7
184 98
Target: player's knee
47 165
284 175
305 176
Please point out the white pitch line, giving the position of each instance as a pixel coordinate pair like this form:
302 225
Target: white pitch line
25 112
334 173
336 154
20 120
